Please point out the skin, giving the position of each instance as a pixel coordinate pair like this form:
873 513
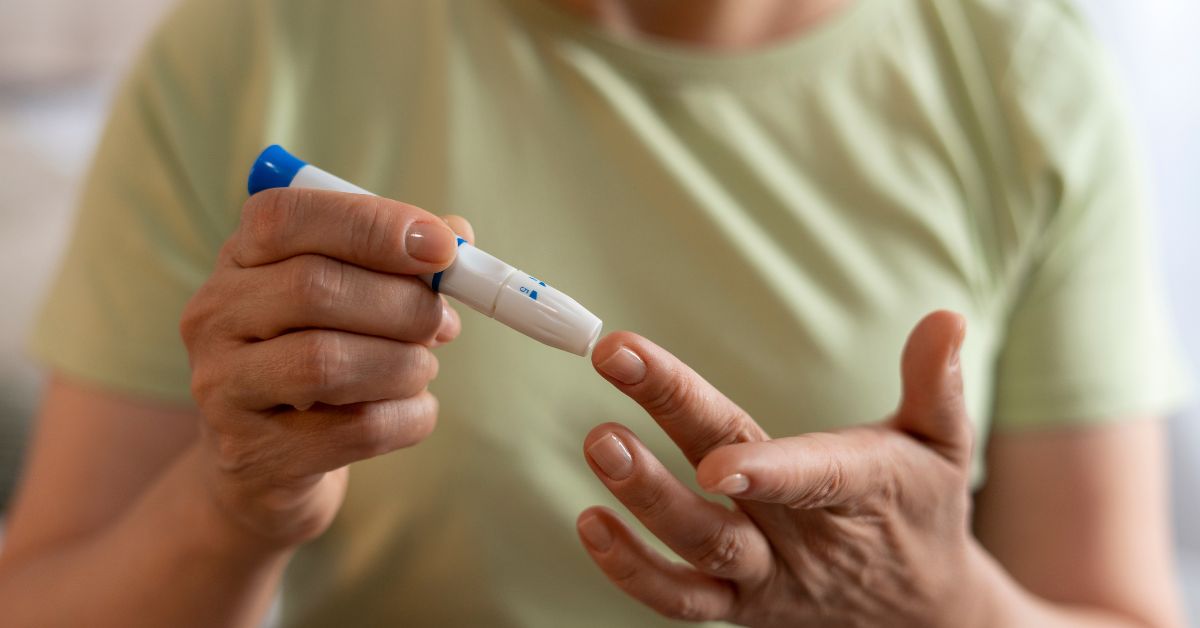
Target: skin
724 25
291 395
245 480
310 349
1077 516
260 466
871 525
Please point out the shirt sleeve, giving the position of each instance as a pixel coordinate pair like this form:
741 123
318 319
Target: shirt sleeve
162 194
1088 337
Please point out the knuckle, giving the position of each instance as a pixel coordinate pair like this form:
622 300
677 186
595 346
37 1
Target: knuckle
283 509
829 482
374 432
299 525
626 575
380 231
671 397
722 431
417 367
214 313
720 550
221 308
648 499
683 606
204 385
318 360
228 251
196 320
192 321
316 281
232 453
382 428
265 220
683 397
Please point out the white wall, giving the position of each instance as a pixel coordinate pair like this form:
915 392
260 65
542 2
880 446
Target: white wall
1156 47
59 62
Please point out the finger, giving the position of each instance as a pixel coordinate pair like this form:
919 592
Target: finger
673 590
316 291
931 407
718 541
369 231
330 367
451 321
451 325
818 470
461 227
693 413
335 436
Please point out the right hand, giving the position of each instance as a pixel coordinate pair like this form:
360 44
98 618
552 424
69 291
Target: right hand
310 349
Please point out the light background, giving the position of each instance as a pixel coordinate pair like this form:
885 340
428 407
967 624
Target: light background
59 60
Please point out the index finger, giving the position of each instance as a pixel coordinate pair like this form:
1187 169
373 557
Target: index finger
691 411
368 231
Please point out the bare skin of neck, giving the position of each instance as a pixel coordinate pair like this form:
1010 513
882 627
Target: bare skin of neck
729 25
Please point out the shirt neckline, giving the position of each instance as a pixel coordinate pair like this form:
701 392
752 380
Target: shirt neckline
670 62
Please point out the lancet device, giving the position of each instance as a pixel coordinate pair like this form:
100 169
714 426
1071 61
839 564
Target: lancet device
479 280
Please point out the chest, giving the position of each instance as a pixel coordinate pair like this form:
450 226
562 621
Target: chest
785 253
782 244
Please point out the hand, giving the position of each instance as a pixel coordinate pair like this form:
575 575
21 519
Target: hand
310 349
863 526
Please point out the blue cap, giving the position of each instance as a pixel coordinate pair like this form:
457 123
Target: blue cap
274 168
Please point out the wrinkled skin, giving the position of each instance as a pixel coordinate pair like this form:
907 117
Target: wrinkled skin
866 526
310 347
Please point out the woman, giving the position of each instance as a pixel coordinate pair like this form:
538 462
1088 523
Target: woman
776 190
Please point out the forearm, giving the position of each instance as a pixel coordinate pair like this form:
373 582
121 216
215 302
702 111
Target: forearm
171 560
1080 515
1007 604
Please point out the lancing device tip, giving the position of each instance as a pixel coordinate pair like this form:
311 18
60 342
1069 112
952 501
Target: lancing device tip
475 278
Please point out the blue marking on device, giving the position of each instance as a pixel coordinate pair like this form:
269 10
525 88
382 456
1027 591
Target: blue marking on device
437 277
533 294
274 168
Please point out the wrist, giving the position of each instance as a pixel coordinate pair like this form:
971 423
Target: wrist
992 592
221 532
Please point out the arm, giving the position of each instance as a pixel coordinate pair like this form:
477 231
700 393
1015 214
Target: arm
1079 518
103 519
139 514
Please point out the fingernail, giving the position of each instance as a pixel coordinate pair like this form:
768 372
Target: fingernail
735 484
429 242
611 455
596 533
624 366
954 355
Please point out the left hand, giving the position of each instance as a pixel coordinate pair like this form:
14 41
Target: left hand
863 526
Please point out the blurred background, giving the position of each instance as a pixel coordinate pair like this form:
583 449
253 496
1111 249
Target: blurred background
60 61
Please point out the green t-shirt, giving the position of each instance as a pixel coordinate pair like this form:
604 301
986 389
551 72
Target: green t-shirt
778 218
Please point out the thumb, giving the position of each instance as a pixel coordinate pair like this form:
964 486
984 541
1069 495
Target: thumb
931 405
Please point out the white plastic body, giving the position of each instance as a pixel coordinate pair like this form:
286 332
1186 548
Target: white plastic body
495 289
